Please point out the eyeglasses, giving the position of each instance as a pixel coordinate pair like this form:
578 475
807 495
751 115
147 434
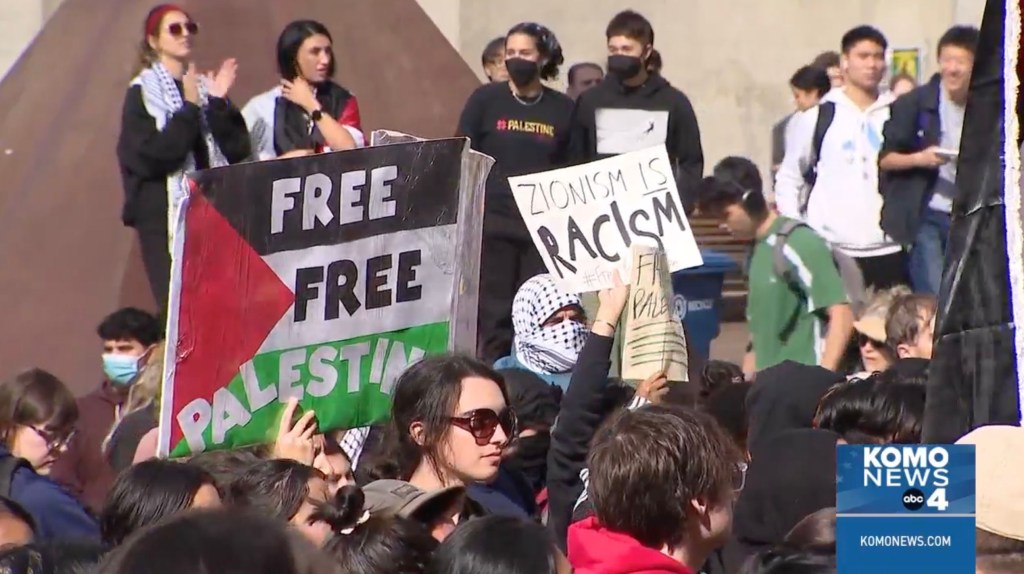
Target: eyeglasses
482 424
54 440
863 339
177 29
739 477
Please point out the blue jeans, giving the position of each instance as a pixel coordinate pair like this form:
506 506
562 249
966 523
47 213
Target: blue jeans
929 252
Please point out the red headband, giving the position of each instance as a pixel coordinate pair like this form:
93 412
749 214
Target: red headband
156 15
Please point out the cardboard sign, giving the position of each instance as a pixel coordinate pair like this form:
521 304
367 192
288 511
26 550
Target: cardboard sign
320 278
654 339
584 219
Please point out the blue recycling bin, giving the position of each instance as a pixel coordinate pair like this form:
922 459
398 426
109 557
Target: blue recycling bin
697 298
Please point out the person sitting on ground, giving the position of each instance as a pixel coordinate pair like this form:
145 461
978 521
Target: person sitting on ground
450 425
365 542
225 541
308 113
504 544
286 490
910 326
875 355
880 409
550 329
433 509
129 336
492 60
663 481
151 491
37 419
999 501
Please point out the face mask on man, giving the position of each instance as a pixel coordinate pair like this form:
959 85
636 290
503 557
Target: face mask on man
522 72
120 369
624 67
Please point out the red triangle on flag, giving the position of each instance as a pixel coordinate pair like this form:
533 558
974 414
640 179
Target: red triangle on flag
230 301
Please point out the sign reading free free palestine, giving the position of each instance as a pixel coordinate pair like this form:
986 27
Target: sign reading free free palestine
320 278
905 508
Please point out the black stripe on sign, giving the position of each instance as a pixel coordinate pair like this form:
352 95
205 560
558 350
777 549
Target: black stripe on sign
334 198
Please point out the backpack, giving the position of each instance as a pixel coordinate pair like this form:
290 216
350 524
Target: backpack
8 466
849 271
826 113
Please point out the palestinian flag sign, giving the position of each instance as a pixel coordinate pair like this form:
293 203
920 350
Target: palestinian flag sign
319 278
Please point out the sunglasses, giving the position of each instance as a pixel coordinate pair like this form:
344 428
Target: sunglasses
483 423
177 29
54 440
863 339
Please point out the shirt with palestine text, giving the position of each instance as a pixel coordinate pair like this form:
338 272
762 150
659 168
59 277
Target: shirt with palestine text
788 321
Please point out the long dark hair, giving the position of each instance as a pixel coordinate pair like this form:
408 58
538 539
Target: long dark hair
290 41
273 487
547 45
372 544
147 492
496 545
428 393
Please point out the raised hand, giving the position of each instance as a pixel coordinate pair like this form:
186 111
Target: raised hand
612 301
295 441
219 83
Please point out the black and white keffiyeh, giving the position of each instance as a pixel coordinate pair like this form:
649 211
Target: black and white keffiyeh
545 350
162 99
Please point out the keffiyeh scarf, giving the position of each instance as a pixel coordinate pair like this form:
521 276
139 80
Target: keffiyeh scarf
545 350
162 99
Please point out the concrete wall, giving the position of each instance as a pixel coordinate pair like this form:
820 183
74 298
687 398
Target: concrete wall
732 57
20 20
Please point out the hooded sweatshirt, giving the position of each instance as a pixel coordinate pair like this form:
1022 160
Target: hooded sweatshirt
785 397
845 206
611 119
594 549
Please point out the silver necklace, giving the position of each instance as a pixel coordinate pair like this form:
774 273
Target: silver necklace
528 103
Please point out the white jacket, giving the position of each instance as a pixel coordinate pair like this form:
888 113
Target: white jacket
845 206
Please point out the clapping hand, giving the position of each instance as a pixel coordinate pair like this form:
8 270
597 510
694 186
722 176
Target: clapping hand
219 83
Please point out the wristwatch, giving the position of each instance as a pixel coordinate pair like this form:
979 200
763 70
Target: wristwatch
316 116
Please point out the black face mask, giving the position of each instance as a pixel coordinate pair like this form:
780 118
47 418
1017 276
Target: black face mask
624 67
531 458
522 72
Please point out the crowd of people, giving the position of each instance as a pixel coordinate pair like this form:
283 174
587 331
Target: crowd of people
531 457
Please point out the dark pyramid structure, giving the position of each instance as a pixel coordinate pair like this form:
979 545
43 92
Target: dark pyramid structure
65 259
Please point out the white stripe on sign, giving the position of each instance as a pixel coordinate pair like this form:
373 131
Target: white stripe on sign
373 285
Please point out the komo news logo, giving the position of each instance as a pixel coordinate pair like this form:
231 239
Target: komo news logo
919 470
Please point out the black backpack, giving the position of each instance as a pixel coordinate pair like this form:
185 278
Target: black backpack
826 113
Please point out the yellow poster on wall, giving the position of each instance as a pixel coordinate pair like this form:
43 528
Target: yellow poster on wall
906 61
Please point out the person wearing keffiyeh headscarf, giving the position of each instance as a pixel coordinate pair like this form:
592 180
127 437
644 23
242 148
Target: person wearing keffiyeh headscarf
175 120
549 331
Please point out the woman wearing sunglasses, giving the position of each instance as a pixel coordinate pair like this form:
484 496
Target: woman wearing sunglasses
450 425
174 121
37 417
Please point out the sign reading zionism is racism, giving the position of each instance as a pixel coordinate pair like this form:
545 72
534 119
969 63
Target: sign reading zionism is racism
319 278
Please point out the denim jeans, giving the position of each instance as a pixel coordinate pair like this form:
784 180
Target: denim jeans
929 252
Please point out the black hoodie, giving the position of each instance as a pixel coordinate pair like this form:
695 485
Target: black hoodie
628 130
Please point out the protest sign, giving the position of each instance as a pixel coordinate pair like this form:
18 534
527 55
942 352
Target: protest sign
584 219
319 278
654 340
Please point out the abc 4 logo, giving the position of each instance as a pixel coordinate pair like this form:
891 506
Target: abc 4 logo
914 500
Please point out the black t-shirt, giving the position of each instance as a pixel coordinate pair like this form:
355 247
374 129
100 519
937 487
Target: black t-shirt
521 137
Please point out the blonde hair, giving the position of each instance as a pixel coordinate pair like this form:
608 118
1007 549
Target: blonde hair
881 300
145 391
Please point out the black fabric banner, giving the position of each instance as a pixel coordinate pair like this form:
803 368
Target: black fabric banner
973 377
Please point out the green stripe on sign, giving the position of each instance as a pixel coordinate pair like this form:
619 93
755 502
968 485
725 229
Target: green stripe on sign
346 383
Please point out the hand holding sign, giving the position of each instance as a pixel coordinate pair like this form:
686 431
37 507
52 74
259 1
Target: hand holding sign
295 440
654 388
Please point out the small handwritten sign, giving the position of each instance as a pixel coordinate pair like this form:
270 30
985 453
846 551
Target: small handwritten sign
584 219
654 339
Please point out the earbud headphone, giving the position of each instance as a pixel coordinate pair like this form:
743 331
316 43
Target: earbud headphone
751 200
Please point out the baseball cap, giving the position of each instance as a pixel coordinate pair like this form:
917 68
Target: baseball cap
999 500
403 499
872 326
